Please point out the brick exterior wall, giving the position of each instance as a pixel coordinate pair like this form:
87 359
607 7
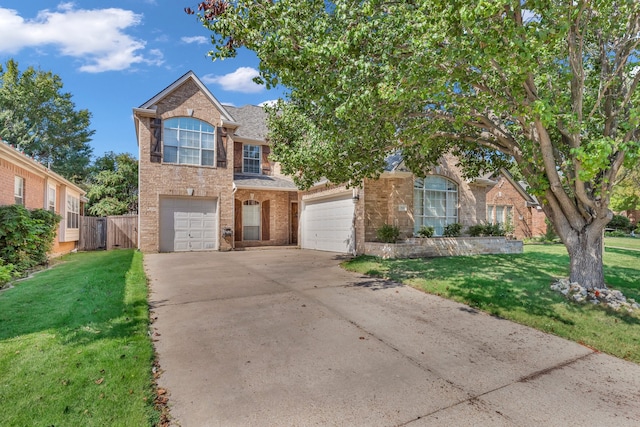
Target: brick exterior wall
386 199
444 246
528 221
33 185
158 180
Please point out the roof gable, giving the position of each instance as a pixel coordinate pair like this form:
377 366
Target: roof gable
190 75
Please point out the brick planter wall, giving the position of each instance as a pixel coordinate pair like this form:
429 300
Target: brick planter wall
443 246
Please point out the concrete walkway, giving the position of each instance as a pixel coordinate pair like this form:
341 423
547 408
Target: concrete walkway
287 338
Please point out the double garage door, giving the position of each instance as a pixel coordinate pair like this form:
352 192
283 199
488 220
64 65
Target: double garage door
188 224
327 224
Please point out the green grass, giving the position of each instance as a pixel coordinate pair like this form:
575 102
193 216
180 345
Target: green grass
516 287
74 345
623 242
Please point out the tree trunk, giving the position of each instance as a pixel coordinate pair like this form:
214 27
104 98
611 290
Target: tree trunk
585 249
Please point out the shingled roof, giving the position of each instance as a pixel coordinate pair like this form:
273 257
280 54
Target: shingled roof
252 119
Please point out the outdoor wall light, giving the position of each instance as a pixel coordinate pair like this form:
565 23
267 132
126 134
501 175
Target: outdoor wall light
190 191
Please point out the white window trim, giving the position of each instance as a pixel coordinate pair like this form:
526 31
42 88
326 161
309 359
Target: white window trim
448 219
259 226
247 158
200 132
18 190
51 201
73 208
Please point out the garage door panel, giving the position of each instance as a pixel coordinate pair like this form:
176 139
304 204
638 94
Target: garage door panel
328 224
187 224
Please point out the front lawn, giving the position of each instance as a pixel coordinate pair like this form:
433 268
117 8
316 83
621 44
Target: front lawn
516 287
74 345
623 242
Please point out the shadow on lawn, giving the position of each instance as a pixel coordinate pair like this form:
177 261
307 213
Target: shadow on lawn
81 301
505 282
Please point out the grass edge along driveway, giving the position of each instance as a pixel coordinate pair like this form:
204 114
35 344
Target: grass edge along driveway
74 344
516 287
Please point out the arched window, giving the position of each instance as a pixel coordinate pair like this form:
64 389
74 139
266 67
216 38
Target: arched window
188 141
435 203
251 220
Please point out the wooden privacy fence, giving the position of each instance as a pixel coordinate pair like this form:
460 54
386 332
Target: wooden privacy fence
110 232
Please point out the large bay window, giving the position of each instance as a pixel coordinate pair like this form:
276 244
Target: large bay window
188 141
435 203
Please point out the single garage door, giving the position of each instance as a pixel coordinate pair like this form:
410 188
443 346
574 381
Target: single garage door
327 224
188 225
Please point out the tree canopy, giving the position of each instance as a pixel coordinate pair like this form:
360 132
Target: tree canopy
41 120
550 85
113 185
626 193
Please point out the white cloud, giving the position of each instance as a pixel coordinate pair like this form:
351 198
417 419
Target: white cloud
96 36
241 80
195 39
270 102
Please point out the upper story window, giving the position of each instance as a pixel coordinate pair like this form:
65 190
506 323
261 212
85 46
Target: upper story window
73 212
18 190
435 203
251 159
188 141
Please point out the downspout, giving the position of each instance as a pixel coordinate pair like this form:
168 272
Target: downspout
234 188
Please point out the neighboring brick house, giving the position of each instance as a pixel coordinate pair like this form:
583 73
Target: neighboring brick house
26 182
207 183
509 201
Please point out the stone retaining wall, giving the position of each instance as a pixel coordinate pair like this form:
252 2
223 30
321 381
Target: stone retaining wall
443 246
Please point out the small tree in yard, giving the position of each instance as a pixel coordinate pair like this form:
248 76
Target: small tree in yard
550 85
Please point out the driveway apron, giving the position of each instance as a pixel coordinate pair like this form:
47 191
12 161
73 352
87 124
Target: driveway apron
287 338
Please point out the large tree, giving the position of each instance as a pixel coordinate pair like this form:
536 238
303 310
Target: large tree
551 85
41 120
113 185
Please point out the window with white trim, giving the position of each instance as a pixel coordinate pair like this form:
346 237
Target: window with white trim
251 220
73 212
251 159
500 214
188 141
435 203
18 190
51 199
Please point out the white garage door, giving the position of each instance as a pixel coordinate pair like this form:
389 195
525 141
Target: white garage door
327 224
188 225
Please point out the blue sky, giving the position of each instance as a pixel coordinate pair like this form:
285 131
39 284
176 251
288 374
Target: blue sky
115 56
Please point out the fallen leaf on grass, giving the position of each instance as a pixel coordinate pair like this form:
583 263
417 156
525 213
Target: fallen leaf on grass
100 381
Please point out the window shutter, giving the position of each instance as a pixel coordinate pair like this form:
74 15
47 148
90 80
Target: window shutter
266 167
237 157
156 140
265 220
237 222
221 138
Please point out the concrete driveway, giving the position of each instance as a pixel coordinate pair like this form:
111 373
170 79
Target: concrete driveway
287 338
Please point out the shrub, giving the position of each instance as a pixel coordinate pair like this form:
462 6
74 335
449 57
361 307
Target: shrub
425 231
475 230
388 233
620 222
7 272
452 230
26 236
615 233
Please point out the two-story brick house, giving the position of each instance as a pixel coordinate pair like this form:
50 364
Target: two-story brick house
26 182
207 183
